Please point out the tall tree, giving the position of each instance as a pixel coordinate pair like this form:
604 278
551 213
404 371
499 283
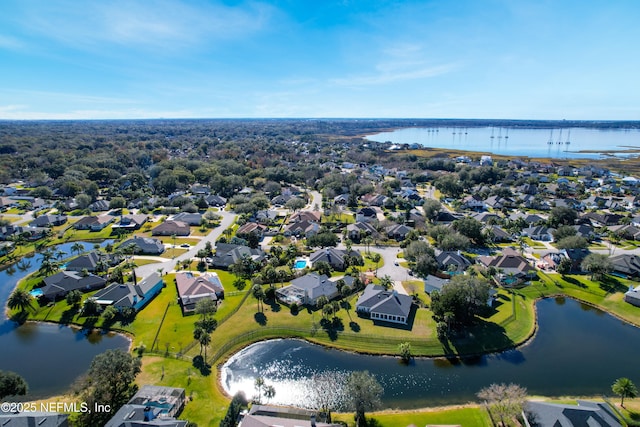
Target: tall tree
259 295
597 264
12 384
204 340
363 393
504 400
624 387
109 381
20 299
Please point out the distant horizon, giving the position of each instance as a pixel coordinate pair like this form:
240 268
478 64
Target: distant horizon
171 59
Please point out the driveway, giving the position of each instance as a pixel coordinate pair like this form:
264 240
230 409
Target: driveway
168 266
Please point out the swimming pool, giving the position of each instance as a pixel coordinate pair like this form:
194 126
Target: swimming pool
300 264
36 293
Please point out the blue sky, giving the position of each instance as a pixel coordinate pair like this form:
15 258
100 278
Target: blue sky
111 59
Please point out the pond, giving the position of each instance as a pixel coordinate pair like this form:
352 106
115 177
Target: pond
578 350
49 357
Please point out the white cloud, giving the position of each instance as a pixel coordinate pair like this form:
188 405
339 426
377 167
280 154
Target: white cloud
390 74
8 42
159 25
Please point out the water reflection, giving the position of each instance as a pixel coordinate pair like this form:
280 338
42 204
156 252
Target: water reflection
570 342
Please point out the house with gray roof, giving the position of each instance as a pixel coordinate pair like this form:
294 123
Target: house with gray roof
130 222
99 206
60 284
33 419
336 258
215 200
513 267
626 265
632 296
190 218
268 416
228 254
93 223
433 283
129 295
306 290
386 305
151 406
452 262
48 221
145 245
585 413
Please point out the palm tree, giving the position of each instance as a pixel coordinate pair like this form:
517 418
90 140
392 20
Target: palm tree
20 299
376 257
269 392
48 264
204 340
624 387
258 293
78 248
258 384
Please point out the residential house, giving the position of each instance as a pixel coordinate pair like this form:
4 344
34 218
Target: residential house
92 262
93 223
433 283
99 206
228 254
602 220
626 265
452 262
386 305
170 228
356 231
367 214
251 228
497 202
266 416
194 219
9 232
398 232
539 232
130 295
474 202
33 418
48 221
63 282
192 289
497 234
151 406
305 216
215 201
130 222
445 217
280 199
585 413
302 228
513 268
373 199
632 296
336 258
486 217
530 219
306 290
266 216
629 232
145 245
200 189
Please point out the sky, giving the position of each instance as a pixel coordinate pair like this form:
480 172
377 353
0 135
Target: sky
493 59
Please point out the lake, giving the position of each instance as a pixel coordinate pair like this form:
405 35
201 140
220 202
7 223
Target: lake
49 357
578 350
531 142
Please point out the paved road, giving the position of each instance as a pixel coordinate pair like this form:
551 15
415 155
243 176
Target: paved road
168 266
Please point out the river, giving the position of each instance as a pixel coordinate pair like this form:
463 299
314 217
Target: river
578 350
49 357
517 142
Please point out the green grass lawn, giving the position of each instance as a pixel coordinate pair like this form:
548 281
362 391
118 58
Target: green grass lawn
467 416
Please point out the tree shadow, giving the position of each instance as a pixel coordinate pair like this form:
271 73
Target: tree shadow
482 337
332 327
574 282
20 317
201 365
611 285
260 318
68 315
90 322
354 326
275 307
